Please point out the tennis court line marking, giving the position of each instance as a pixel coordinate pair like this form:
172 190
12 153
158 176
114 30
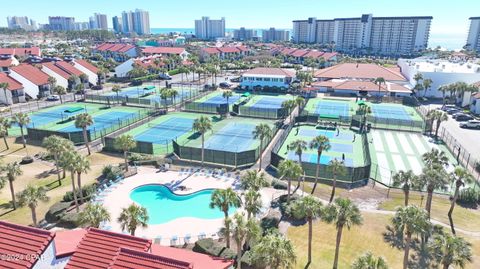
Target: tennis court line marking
404 143
392 144
417 141
378 141
384 167
398 163
415 165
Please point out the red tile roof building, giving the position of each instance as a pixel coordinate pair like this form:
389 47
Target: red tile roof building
117 51
259 71
224 52
31 73
22 246
114 47
86 64
301 54
13 85
35 51
131 259
163 50
359 71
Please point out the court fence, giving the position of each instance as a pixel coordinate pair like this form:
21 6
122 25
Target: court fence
314 118
107 127
221 157
206 107
393 124
259 112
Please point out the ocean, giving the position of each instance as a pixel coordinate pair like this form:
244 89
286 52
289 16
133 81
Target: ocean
451 42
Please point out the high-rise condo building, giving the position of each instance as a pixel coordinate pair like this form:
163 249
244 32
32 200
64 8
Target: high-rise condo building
137 21
21 22
60 23
117 24
273 34
206 28
473 40
244 34
101 20
367 34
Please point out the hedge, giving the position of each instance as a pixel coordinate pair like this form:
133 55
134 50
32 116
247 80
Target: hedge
56 211
173 72
87 191
210 247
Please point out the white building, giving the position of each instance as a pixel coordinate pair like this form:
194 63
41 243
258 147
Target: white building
473 39
475 103
206 28
101 21
14 94
88 69
367 34
273 34
244 34
267 77
35 82
16 22
137 21
441 72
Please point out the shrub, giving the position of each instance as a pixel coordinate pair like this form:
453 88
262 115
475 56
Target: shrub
56 211
110 172
69 220
210 247
270 221
279 185
86 190
477 166
468 196
173 72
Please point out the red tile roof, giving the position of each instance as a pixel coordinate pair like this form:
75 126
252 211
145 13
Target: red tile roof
299 53
114 47
31 73
12 83
19 240
270 72
68 68
149 61
163 50
359 86
98 249
228 49
86 64
314 54
131 259
328 55
211 50
6 62
359 71
477 95
21 51
56 69
66 242
197 259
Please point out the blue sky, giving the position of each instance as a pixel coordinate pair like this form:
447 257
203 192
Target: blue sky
450 21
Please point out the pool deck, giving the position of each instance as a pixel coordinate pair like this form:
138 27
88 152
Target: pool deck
119 198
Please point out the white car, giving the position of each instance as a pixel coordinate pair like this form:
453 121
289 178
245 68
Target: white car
53 97
471 124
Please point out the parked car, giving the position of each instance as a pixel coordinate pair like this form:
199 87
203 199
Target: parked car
452 111
53 97
225 85
164 76
458 114
463 117
237 79
447 107
474 124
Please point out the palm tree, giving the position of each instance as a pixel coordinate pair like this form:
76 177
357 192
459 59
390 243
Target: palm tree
132 217
239 234
439 117
369 261
337 168
321 143
287 106
427 84
94 214
290 170
298 146
252 203
227 94
125 143
405 180
5 86
82 165
3 134
60 91
262 132
276 251
410 220
432 178
434 157
22 119
444 89
460 176
83 121
379 81
418 77
224 200
202 125
253 180
12 171
30 197
299 102
308 208
68 162
6 123
165 93
450 250
116 89
55 146
343 212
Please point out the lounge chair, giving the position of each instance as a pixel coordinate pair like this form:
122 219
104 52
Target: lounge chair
202 235
173 240
187 238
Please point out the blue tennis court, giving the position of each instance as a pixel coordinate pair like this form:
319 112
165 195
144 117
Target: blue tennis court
182 94
332 108
269 102
327 133
103 121
133 92
233 137
53 115
164 132
312 158
390 112
218 99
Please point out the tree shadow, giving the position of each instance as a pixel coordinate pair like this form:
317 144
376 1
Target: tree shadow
393 237
46 173
307 265
421 258
7 208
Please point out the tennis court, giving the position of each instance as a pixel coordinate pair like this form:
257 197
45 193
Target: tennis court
182 94
390 112
273 102
345 146
138 91
103 121
164 132
234 137
217 98
330 108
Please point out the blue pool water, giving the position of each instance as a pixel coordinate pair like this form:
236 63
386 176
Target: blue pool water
163 206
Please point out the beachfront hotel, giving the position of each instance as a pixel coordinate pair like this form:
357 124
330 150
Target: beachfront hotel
473 40
367 34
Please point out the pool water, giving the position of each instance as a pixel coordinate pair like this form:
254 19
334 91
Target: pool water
163 205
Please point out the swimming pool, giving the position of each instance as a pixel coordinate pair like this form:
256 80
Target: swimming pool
163 205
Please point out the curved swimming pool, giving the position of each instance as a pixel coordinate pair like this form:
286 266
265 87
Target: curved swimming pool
163 205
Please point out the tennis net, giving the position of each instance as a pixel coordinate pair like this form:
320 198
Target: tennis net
234 134
162 126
